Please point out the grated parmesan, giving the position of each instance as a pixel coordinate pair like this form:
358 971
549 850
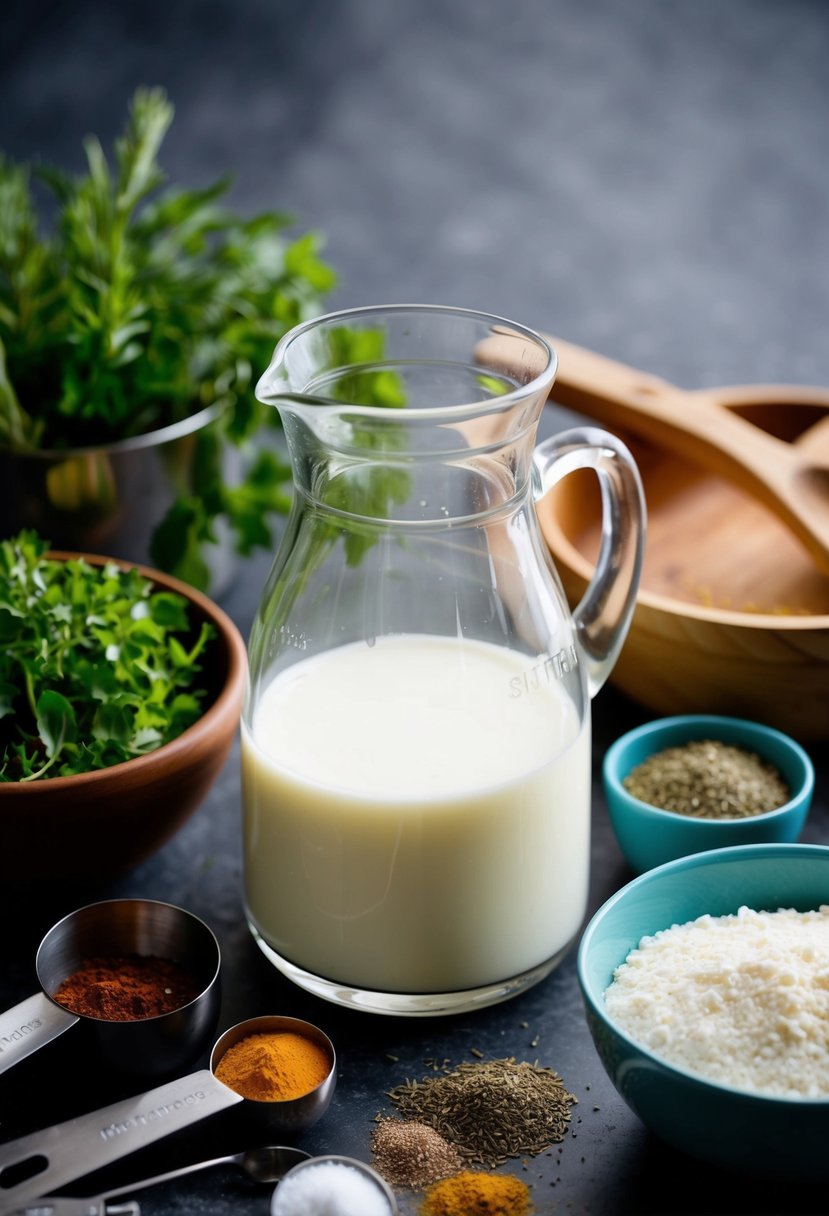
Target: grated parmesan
742 1000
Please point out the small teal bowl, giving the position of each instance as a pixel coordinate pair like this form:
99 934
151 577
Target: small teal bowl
741 1131
649 836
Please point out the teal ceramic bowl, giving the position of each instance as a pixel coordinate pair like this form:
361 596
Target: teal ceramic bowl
649 836
731 1128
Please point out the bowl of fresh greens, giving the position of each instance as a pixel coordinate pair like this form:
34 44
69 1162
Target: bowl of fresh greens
134 316
120 694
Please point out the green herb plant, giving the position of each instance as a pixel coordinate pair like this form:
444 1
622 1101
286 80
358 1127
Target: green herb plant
144 305
96 664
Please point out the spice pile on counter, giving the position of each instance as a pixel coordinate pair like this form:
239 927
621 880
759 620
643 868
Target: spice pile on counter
127 989
492 1110
474 1194
273 1067
708 779
412 1154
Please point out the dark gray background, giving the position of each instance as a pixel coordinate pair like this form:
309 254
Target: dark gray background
647 178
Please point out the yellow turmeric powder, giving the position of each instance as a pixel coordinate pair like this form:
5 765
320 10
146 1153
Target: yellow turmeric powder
473 1194
273 1067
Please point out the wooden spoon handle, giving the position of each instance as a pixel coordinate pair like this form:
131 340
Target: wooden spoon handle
697 426
694 424
814 443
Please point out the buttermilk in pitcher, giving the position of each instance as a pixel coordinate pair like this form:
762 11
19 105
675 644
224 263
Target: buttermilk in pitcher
417 814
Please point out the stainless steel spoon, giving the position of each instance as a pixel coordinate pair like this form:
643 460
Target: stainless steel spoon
265 1164
42 1162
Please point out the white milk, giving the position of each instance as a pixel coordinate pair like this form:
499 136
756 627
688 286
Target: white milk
417 815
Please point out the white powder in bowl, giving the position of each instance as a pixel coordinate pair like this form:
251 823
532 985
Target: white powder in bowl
742 999
329 1188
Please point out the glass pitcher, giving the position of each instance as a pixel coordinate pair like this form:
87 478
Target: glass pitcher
416 765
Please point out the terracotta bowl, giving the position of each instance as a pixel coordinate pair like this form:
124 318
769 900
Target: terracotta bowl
104 822
732 615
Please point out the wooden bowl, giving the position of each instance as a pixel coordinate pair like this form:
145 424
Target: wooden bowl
100 824
732 615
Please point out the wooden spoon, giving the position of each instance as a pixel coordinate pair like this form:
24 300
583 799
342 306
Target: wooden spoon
710 427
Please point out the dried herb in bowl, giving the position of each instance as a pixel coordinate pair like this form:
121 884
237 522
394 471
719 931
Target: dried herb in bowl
97 666
708 779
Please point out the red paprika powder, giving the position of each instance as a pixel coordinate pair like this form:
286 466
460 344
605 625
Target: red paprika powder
127 988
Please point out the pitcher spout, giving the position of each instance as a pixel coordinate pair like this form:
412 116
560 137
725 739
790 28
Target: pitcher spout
468 377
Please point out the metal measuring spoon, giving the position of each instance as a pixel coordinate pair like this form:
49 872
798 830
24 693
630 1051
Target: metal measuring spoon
266 1164
44 1161
147 1046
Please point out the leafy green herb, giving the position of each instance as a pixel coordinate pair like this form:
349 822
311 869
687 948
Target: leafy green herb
143 306
96 665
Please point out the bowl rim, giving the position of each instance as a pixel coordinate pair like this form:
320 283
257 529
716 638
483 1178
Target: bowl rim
228 638
562 549
157 437
743 727
689 862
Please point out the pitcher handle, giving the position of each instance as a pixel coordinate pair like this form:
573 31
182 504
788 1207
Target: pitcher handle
603 615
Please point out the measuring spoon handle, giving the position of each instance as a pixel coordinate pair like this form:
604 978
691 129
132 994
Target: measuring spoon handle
67 1151
73 1207
30 1025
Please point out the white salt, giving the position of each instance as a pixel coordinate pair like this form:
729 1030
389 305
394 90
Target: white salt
329 1188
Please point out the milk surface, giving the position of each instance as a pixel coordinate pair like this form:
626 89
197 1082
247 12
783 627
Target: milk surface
417 814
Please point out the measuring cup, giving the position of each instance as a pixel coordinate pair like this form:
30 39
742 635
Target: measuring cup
41 1162
117 928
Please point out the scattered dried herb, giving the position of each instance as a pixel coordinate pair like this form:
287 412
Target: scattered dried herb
708 779
490 1111
411 1154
